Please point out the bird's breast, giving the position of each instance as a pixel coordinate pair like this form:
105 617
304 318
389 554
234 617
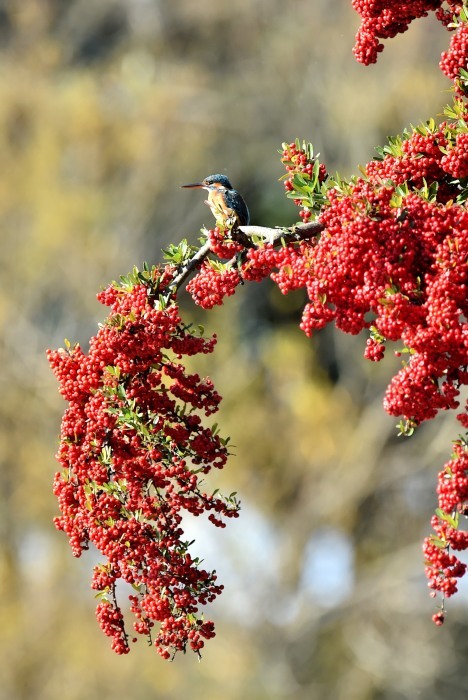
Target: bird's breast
229 204
218 205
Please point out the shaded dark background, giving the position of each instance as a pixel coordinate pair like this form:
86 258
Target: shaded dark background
105 109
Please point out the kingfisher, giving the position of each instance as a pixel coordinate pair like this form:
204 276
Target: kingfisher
224 201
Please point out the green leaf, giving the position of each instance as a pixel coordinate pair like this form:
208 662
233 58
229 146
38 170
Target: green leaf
438 542
300 180
452 520
376 335
406 427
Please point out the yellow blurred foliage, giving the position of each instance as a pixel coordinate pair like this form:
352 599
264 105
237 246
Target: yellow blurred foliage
105 109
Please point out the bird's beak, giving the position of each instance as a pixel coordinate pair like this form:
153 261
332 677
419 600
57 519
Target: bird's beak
194 184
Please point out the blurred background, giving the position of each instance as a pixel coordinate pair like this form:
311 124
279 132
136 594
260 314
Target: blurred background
105 109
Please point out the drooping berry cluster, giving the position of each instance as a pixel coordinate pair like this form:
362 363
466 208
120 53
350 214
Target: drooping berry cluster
393 258
221 243
134 449
212 283
454 62
216 279
443 568
384 19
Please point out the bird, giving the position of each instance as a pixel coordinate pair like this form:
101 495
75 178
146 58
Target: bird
225 202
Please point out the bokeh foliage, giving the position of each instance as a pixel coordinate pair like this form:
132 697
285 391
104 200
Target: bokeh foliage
105 109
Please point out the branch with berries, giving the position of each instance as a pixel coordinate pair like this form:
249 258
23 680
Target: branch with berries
248 237
385 253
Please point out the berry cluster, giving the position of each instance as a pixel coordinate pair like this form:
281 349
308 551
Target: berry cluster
134 449
454 62
443 568
416 159
302 167
212 283
393 259
384 19
221 243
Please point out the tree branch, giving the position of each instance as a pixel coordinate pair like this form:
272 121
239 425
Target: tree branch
273 236
244 235
190 266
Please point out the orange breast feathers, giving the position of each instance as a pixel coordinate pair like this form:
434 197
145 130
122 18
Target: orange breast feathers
217 203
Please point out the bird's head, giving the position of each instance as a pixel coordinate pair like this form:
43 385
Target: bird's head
212 182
